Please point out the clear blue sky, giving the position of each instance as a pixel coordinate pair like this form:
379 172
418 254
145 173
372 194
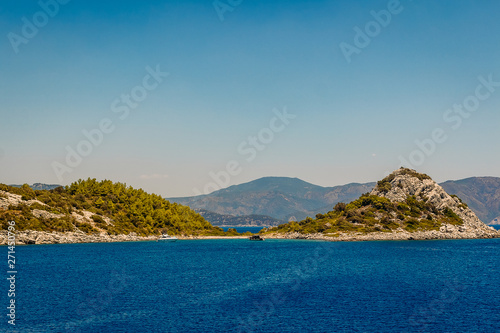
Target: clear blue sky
354 119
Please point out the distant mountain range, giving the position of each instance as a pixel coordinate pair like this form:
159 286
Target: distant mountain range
270 201
231 220
285 199
40 186
281 198
482 194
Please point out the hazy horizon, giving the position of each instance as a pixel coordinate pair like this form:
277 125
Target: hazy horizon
168 95
219 187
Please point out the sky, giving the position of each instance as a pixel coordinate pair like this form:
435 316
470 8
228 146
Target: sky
185 97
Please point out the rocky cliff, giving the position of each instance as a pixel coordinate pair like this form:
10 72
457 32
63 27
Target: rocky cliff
404 183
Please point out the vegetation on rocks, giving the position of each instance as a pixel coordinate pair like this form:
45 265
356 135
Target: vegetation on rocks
377 213
110 207
372 213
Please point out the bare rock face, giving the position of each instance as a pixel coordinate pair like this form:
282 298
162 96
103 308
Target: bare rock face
46 215
10 199
407 182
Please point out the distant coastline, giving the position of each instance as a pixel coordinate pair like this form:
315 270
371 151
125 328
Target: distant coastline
406 205
42 237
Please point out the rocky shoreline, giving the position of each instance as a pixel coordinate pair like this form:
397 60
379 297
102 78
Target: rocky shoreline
42 237
32 237
387 236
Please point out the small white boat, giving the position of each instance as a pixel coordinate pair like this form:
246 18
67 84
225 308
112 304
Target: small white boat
167 238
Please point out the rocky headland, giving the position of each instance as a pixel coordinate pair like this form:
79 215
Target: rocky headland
406 205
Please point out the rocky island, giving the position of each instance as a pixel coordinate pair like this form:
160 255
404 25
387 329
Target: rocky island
90 211
405 205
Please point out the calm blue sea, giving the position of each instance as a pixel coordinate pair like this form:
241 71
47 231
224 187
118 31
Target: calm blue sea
270 286
245 229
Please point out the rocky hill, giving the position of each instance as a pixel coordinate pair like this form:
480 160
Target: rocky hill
89 210
404 205
287 199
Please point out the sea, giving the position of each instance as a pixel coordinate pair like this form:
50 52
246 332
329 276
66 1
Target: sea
237 285
253 230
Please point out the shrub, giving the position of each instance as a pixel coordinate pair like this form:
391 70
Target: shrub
411 225
413 173
452 217
98 219
384 186
340 207
403 207
27 192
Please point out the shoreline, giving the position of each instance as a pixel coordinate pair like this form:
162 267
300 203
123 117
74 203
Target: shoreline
42 237
382 236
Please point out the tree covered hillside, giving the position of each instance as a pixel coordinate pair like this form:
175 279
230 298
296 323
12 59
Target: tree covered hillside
93 206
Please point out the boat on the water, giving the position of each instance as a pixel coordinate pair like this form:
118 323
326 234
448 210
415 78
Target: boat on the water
256 238
167 238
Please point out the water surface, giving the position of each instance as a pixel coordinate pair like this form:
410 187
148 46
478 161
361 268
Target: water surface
270 286
245 229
